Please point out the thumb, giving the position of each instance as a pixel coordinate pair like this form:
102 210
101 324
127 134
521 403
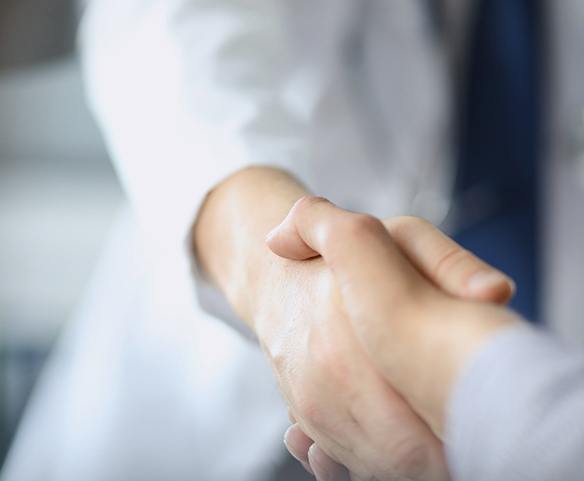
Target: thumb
356 247
446 264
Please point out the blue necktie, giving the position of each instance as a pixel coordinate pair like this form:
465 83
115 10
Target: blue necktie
497 183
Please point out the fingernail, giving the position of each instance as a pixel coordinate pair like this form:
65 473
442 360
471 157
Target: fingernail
314 459
485 280
301 461
304 464
286 436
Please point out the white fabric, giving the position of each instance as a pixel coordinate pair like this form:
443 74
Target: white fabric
352 96
130 396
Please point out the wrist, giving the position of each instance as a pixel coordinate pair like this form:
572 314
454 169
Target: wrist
454 333
229 235
253 275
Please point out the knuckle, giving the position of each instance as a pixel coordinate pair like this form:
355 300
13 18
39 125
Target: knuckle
449 261
308 201
311 412
305 407
362 226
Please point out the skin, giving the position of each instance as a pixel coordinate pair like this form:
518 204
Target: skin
418 336
300 314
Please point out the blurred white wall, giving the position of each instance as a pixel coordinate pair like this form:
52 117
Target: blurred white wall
57 191
58 196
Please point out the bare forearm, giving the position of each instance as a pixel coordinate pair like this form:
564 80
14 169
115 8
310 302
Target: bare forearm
229 234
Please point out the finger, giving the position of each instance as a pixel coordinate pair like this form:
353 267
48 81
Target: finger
372 272
449 266
376 280
293 240
324 468
356 247
291 416
298 444
286 241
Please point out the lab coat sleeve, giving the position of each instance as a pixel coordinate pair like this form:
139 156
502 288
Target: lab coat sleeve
188 92
516 413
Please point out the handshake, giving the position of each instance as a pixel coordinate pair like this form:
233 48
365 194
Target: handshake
368 325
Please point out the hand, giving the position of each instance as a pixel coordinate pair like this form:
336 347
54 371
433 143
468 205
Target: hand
315 225
292 306
295 310
331 385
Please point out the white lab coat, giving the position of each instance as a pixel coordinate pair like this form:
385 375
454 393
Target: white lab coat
352 96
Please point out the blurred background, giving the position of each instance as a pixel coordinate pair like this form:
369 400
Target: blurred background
58 193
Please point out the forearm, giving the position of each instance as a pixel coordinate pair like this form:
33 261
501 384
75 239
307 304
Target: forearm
229 234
